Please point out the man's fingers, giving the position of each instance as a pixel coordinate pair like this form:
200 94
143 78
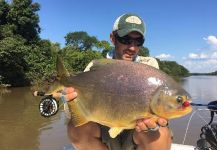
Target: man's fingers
70 96
150 123
68 93
162 122
145 125
140 125
56 95
68 90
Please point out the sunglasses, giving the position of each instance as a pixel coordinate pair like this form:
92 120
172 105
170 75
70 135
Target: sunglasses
127 40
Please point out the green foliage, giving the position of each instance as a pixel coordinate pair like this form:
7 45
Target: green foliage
172 68
5 28
206 74
12 61
41 60
7 31
144 51
26 59
4 8
213 73
76 61
104 47
22 14
80 40
23 56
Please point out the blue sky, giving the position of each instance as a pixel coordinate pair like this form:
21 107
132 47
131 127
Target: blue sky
178 30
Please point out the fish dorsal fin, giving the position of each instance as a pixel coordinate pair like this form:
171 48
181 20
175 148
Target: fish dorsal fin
98 63
61 70
77 117
113 132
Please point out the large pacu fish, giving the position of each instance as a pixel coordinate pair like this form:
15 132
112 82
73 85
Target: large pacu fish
116 93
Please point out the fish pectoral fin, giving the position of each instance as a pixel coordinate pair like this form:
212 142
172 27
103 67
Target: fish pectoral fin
113 132
77 118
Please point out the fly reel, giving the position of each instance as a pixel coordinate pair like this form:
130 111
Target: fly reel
48 106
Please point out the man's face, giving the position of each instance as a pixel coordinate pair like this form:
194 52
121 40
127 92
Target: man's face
127 47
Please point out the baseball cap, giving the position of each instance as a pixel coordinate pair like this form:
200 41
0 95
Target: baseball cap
127 23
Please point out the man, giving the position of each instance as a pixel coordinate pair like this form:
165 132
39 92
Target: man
127 36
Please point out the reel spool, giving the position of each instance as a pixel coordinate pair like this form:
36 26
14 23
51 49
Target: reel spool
48 106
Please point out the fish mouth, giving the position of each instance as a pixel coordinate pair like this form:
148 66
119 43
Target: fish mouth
179 112
183 107
184 110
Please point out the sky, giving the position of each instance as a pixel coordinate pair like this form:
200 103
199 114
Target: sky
184 31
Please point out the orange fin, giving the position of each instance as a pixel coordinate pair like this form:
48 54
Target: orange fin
113 132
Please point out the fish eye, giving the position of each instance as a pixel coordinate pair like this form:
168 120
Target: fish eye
179 99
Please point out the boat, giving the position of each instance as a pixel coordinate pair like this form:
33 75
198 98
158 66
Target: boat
182 147
174 147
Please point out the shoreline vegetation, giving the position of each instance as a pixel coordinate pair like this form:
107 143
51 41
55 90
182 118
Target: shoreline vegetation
207 74
28 60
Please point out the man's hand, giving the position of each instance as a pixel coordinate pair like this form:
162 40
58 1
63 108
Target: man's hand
147 124
69 94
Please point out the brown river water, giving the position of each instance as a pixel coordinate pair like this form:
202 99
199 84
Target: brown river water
23 128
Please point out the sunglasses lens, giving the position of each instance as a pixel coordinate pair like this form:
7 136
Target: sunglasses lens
128 40
139 41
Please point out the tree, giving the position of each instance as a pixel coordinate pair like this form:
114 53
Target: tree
80 40
23 16
42 60
144 51
24 57
12 61
183 71
104 47
4 8
5 29
76 61
173 68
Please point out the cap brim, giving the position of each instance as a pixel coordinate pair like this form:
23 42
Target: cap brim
124 32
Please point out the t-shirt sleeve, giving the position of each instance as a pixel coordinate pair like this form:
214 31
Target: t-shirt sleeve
149 61
88 66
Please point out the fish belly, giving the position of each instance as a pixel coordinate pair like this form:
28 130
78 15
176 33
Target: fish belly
112 110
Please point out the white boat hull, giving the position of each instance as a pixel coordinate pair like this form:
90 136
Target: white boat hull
182 147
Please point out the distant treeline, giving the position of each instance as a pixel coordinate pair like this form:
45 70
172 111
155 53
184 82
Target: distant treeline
210 74
172 68
26 59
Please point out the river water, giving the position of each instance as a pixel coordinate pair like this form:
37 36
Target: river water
23 128
202 89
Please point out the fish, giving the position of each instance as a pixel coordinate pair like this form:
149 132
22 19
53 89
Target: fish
116 93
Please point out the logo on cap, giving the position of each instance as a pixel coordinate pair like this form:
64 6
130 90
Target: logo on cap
133 19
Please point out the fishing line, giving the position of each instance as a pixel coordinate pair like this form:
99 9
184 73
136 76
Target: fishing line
193 113
203 117
188 126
